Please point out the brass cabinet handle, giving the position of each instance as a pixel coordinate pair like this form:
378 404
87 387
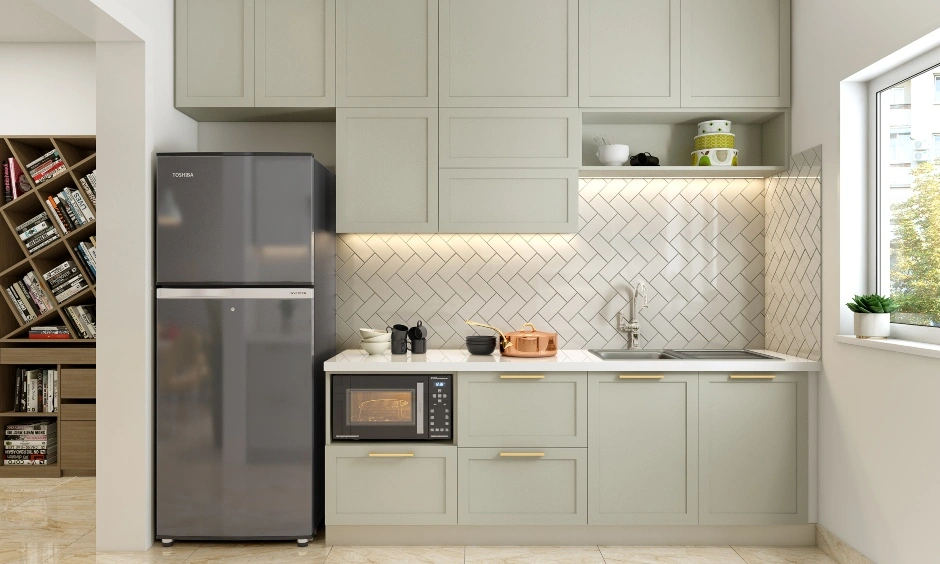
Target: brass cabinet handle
390 454
521 376
522 454
752 376
642 376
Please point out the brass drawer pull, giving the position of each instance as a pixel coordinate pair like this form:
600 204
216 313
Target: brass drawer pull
390 454
522 376
752 376
522 454
642 376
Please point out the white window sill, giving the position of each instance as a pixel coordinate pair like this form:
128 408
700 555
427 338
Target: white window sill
894 345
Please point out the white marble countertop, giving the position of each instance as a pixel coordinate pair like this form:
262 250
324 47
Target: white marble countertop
459 360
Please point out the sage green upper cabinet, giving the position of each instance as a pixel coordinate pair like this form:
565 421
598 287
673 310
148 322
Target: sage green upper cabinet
509 53
386 53
629 53
215 51
736 53
753 455
643 449
386 170
294 58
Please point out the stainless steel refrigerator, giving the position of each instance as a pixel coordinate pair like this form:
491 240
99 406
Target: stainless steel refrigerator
244 263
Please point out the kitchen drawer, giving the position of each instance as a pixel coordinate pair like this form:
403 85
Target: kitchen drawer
522 410
522 486
509 138
391 484
77 411
486 200
77 383
77 446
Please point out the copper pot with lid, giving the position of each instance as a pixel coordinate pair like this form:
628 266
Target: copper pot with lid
529 342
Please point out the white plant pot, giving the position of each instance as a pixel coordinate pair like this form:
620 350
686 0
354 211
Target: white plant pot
872 325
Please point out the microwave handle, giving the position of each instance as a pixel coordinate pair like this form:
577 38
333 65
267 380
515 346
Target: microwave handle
419 409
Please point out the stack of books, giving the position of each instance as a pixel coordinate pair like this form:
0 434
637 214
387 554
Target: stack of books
28 299
70 209
49 332
83 319
14 180
89 184
30 443
46 167
88 256
35 390
65 281
37 233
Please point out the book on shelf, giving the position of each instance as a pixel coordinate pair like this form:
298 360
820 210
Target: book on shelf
30 442
49 332
70 209
46 167
37 232
89 187
83 320
87 255
15 183
65 281
35 391
28 298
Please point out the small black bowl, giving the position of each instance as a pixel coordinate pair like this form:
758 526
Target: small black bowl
483 346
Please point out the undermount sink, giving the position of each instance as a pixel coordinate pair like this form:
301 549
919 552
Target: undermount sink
621 354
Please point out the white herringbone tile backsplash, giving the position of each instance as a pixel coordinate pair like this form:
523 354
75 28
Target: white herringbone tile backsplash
794 257
698 245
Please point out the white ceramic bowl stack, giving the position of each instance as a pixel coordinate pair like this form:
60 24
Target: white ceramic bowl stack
374 341
714 144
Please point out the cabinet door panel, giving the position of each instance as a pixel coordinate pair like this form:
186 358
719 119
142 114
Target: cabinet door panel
508 53
77 447
509 201
386 165
629 53
746 67
495 489
386 53
643 450
419 488
215 50
294 57
753 451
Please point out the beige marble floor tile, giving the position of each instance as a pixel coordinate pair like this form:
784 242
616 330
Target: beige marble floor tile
87 541
259 553
782 555
533 555
30 486
50 517
28 552
396 554
178 554
9 500
837 548
671 554
75 486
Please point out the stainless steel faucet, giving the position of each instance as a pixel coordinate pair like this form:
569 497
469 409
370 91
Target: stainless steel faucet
632 327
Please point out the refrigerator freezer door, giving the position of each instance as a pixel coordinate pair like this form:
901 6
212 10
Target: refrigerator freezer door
239 220
234 403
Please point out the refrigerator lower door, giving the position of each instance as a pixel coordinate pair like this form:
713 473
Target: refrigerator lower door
234 414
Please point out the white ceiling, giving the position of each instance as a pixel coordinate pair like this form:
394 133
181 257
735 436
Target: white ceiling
24 21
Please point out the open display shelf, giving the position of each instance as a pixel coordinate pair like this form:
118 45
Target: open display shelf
761 138
78 153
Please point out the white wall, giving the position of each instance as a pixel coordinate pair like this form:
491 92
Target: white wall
48 88
879 422
304 137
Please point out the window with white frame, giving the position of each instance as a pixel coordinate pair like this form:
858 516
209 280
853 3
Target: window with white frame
906 195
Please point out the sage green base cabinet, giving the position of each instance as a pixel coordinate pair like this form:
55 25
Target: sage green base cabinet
522 410
391 484
643 449
753 457
522 486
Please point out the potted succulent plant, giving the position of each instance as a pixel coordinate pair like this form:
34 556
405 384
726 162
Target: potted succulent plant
872 316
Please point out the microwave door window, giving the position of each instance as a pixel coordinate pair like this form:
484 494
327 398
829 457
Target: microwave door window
391 408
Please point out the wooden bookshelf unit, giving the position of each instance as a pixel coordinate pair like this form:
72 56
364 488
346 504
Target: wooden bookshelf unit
74 357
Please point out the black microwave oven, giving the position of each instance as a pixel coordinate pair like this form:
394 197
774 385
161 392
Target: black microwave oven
392 407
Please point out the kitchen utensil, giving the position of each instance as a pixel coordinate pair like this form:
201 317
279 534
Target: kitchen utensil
644 159
613 155
370 333
714 126
530 343
503 341
375 348
419 346
382 338
417 332
399 340
481 344
714 141
715 157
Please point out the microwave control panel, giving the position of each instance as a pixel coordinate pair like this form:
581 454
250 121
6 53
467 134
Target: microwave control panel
440 407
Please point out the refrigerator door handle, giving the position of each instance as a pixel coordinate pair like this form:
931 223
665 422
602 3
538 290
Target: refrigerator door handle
235 293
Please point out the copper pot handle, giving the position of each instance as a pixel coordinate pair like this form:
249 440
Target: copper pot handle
528 325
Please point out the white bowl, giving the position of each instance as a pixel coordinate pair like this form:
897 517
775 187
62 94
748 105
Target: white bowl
376 348
613 155
383 338
714 126
369 333
715 157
